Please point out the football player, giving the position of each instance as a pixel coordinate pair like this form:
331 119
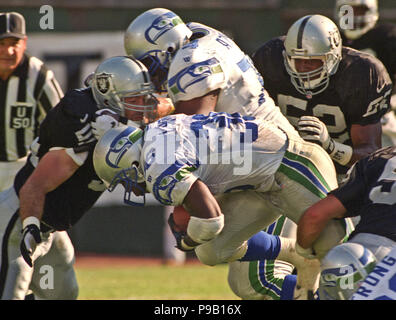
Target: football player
334 95
195 161
203 70
58 183
368 192
377 39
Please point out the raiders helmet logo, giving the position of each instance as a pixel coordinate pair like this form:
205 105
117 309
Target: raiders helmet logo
335 39
103 82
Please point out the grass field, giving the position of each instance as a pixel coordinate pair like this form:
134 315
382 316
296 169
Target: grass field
152 281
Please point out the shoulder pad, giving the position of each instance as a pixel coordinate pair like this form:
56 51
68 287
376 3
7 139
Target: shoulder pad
79 102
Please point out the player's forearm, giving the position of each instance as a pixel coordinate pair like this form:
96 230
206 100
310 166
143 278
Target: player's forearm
365 140
309 230
32 200
315 219
311 224
200 202
53 169
363 151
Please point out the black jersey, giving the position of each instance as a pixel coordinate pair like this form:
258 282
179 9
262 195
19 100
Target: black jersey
67 125
381 42
358 93
369 191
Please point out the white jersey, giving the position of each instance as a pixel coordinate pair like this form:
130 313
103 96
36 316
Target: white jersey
380 284
227 152
212 62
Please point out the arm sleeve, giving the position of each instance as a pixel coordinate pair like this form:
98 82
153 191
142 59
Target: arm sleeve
351 190
64 127
368 98
268 60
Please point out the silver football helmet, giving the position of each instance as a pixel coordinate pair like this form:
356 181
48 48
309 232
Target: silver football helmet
363 20
343 269
118 78
116 160
154 37
312 37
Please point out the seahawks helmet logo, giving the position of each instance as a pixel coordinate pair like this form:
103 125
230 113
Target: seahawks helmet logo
161 25
193 74
103 82
121 144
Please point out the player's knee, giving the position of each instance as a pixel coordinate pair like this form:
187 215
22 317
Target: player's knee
63 288
243 287
71 290
70 285
238 281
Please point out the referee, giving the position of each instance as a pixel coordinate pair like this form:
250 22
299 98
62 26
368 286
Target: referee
27 91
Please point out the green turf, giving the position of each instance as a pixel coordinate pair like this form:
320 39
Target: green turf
192 282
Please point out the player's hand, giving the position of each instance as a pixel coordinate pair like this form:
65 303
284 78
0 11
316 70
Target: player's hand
105 119
30 238
314 130
308 253
179 235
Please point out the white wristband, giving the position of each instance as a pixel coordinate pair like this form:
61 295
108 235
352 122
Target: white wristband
30 220
202 230
339 152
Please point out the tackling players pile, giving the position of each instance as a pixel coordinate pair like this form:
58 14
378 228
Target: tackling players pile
247 162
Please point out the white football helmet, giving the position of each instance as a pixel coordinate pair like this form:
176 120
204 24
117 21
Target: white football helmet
119 78
312 37
154 37
116 160
343 269
362 22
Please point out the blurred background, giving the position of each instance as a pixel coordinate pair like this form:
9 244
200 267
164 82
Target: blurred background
86 32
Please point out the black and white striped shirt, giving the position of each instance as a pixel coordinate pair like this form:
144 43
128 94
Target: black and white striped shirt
25 98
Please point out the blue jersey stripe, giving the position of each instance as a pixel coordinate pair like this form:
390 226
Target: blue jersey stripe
306 172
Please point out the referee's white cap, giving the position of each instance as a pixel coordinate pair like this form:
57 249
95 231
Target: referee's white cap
12 25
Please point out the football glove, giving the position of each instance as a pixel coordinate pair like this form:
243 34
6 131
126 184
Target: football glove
105 119
179 235
314 130
30 238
